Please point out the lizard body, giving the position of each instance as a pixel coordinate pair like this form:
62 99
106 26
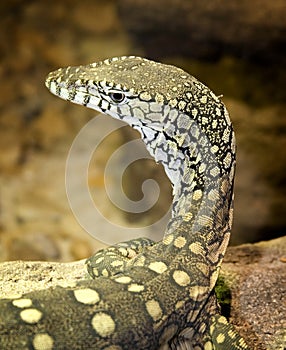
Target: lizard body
156 295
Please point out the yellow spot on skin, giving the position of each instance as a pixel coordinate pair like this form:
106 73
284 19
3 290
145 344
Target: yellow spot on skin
202 168
145 96
218 112
227 160
188 216
154 309
123 279
179 139
214 149
202 328
213 195
196 248
214 124
182 104
131 253
197 195
194 112
158 266
226 135
168 239
180 242
172 145
180 304
203 99
208 346
242 343
159 98
123 251
31 315
205 120
86 296
196 292
231 334
173 103
117 263
220 338
181 278
103 324
105 273
205 221
95 272
222 320
22 303
43 341
136 288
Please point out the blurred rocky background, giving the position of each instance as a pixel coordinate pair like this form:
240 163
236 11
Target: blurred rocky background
237 48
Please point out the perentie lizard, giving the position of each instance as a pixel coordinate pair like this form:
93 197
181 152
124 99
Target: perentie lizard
146 295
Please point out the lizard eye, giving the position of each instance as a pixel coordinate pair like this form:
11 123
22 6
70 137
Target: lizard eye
117 96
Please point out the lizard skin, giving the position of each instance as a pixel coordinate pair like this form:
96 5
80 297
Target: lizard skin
146 295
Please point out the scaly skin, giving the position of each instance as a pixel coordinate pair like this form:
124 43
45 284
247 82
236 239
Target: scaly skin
146 295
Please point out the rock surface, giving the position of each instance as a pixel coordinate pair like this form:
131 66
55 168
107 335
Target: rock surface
254 273
256 276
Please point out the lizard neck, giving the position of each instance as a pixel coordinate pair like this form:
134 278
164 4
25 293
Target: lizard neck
201 170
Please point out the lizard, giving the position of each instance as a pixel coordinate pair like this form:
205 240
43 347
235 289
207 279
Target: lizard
145 294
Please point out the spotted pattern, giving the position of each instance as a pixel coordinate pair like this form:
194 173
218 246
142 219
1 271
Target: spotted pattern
181 278
180 242
43 341
31 315
154 309
22 303
123 279
86 296
136 288
146 295
158 266
103 324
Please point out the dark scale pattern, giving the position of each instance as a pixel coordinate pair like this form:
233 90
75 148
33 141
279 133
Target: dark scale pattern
146 295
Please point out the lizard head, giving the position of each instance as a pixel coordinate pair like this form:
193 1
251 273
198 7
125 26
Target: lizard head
164 103
130 88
